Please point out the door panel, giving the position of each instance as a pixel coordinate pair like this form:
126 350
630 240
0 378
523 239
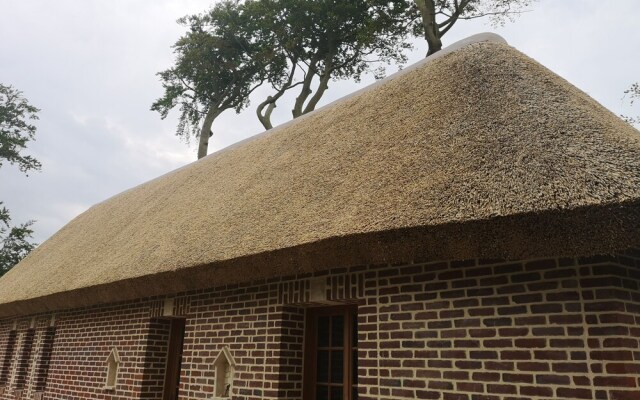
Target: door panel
331 354
174 359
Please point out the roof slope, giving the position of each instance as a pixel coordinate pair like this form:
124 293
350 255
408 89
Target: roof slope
479 152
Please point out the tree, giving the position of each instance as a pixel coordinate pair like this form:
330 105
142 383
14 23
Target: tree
633 94
218 65
327 40
437 17
16 131
15 128
14 241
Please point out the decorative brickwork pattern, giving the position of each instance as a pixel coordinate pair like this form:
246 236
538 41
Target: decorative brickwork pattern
478 329
44 361
181 306
9 337
294 292
24 358
156 308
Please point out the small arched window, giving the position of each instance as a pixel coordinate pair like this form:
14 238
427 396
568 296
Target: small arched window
113 364
224 366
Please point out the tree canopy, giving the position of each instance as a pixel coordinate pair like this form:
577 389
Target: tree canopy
437 17
16 130
218 65
237 46
632 94
15 241
328 40
297 46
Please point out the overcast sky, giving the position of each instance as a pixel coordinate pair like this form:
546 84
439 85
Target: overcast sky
90 66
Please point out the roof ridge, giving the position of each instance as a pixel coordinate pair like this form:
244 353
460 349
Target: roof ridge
456 46
477 38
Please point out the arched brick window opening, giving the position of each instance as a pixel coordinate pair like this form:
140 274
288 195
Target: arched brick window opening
225 369
8 355
24 359
113 364
42 369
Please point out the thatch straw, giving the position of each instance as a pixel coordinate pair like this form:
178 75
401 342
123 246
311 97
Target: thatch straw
480 152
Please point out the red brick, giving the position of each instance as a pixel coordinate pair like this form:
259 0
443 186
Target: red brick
616 381
573 393
625 394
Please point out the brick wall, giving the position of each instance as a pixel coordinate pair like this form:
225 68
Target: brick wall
84 340
154 359
477 329
565 328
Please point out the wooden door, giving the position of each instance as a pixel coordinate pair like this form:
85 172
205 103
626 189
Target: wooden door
331 354
174 359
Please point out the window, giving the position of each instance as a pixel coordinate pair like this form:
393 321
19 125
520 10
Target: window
331 354
113 364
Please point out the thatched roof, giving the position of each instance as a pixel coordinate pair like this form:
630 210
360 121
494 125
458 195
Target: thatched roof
478 152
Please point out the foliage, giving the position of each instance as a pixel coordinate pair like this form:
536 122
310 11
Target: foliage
218 64
633 94
438 16
327 40
15 131
14 241
297 46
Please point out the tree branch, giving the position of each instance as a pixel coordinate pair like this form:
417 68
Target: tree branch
306 88
270 102
322 87
459 9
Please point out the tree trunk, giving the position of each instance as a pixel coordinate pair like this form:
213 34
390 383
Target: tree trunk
431 34
324 85
205 131
306 89
302 97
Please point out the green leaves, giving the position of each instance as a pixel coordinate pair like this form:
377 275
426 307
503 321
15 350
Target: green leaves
439 16
14 241
328 40
632 94
16 129
219 62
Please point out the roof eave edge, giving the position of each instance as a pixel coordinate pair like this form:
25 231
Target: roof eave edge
580 232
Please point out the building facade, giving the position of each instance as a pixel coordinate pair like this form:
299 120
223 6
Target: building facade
491 329
466 229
